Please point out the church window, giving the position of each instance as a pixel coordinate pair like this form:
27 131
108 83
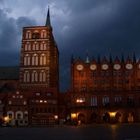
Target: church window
27 60
42 76
35 59
43 59
34 76
43 34
26 77
28 35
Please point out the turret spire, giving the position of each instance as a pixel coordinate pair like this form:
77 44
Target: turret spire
48 21
87 58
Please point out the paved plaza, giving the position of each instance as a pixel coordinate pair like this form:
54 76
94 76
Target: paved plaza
92 132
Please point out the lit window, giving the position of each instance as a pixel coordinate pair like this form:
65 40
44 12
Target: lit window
42 59
80 100
41 101
21 96
37 94
10 102
35 59
28 35
43 34
42 76
27 60
24 102
13 96
34 76
26 76
45 101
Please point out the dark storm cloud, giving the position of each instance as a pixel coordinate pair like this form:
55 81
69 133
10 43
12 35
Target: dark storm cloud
102 27
96 26
10 37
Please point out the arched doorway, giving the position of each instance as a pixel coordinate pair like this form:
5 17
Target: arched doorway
130 117
118 117
93 118
106 117
81 118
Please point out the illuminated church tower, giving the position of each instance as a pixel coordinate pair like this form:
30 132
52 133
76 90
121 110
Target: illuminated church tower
39 59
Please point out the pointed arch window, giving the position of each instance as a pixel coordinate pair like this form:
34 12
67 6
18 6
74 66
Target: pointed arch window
26 77
28 35
27 60
43 59
34 76
35 59
42 76
27 46
43 34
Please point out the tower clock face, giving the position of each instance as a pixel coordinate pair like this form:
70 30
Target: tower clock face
93 67
129 66
79 67
104 66
117 66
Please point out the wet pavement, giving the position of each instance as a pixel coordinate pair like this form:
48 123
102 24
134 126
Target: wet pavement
90 132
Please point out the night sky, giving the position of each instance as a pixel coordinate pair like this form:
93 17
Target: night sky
79 26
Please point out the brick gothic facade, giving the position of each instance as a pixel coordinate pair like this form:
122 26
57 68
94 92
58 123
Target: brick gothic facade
39 74
102 90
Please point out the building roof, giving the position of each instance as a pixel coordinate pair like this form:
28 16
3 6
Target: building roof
9 73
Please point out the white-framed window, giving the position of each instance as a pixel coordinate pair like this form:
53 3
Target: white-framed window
44 46
42 76
105 100
26 77
37 46
35 59
27 46
43 59
41 46
94 101
43 34
34 76
28 35
27 60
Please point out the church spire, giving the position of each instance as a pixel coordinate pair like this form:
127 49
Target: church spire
48 21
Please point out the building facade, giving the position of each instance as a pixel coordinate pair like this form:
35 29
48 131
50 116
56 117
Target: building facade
102 90
105 90
39 72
